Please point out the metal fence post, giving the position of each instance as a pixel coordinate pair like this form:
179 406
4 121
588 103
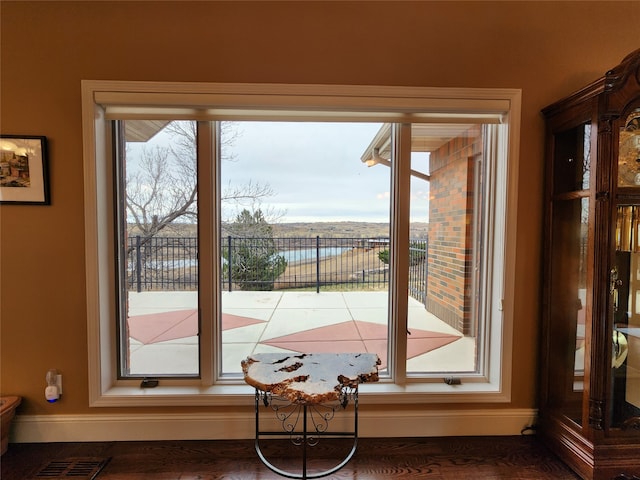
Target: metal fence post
138 266
317 263
426 270
229 260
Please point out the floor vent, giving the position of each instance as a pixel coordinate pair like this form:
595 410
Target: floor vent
85 468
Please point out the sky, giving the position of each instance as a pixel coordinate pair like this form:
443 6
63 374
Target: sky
314 171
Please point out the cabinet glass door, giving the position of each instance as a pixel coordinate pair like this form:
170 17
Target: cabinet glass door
568 293
629 152
625 353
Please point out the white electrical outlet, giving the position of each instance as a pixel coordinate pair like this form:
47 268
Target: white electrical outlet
54 386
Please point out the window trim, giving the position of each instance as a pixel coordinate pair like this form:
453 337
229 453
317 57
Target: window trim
104 100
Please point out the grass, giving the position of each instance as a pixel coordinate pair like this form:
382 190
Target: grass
351 267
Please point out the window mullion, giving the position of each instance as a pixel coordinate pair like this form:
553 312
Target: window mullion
207 243
400 205
120 259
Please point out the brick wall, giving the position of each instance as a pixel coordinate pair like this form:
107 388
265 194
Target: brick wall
451 167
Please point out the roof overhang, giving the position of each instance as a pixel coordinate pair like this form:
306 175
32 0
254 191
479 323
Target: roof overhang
425 137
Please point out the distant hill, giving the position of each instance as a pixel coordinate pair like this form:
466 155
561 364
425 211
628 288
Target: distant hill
312 229
343 229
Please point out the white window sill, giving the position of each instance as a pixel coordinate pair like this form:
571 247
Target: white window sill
235 395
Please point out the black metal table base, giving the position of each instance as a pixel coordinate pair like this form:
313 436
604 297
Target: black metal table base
315 418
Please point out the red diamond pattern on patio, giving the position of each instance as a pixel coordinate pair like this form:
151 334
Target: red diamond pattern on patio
358 336
350 336
160 327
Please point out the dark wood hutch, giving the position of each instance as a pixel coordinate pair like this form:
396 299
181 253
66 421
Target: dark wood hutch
590 353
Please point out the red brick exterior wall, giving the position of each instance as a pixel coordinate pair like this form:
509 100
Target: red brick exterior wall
451 200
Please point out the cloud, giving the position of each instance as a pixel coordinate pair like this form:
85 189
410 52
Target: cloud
313 168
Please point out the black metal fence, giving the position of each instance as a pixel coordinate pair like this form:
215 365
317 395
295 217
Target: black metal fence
162 263
170 263
418 269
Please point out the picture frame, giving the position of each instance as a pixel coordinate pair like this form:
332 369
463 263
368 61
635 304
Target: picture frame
24 173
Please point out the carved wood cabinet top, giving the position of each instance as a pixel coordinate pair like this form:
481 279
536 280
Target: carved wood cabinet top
309 378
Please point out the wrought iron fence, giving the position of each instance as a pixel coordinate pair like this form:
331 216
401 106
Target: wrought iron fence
418 269
162 263
251 263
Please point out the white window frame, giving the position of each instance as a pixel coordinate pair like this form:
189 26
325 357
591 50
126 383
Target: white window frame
106 100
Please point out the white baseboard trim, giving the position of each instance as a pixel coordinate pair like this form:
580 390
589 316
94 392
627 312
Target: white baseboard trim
216 426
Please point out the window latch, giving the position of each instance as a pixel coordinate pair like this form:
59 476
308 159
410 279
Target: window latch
452 381
149 383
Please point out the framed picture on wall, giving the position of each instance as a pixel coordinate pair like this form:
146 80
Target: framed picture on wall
23 170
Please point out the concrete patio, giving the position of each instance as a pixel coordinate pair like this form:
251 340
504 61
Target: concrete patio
164 327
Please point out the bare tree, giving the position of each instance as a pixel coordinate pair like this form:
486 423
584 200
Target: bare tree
161 191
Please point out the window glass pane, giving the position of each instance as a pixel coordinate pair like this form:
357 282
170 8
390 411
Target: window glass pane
446 248
158 248
304 227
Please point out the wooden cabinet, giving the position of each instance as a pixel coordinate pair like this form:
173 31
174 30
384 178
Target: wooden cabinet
590 353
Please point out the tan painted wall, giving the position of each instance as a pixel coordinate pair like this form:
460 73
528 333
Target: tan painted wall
548 49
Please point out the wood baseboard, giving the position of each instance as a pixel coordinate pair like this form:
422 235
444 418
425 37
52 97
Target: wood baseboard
218 426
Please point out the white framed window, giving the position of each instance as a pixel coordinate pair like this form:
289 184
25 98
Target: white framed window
469 274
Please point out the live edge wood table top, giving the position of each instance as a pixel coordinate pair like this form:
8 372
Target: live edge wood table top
309 378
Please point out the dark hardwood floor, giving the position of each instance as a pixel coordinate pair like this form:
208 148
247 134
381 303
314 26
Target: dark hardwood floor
513 458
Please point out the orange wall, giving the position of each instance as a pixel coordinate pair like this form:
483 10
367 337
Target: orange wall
548 49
